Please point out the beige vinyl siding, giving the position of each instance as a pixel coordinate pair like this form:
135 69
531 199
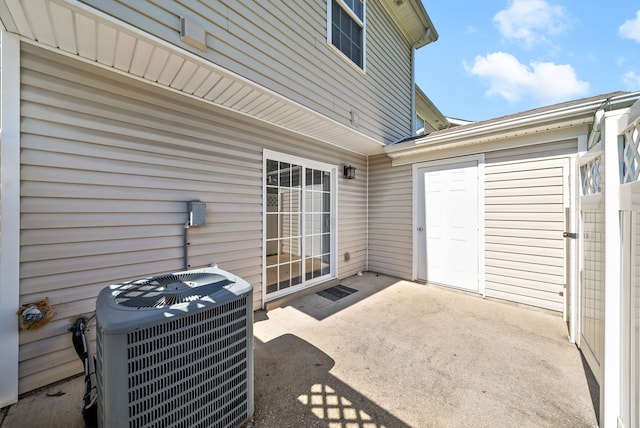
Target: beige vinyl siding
524 221
352 226
283 46
390 218
108 164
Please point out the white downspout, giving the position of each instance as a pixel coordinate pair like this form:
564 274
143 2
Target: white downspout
366 256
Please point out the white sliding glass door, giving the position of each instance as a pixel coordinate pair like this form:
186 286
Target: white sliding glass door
299 218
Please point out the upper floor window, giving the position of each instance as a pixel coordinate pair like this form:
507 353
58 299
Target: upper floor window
347 28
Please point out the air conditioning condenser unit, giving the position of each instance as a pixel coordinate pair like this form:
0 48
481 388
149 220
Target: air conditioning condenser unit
175 350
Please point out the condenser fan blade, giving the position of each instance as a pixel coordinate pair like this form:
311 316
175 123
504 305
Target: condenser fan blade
169 290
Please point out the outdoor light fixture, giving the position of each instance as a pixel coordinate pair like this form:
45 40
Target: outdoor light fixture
349 172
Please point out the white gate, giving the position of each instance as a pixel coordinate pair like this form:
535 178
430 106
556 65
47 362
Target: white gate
591 302
609 291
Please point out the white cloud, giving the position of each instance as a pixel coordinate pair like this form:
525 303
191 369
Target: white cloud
631 81
510 79
631 28
530 21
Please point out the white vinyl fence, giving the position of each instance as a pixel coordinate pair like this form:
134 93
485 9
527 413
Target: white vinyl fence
609 240
629 152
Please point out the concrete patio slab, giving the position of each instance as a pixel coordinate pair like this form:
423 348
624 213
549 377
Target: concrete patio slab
400 354
392 354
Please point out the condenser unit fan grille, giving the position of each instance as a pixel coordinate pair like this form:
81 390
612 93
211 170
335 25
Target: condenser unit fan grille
167 290
190 371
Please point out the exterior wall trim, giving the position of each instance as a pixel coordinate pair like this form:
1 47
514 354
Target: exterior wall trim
9 215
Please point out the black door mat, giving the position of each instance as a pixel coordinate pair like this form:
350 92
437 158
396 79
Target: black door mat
336 292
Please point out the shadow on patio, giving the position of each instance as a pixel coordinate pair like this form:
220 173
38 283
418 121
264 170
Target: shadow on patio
295 387
397 353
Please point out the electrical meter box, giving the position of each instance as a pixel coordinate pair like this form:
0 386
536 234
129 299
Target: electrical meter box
197 213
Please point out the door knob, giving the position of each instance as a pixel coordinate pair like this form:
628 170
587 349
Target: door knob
421 229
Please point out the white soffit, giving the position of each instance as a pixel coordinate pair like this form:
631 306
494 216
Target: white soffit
79 30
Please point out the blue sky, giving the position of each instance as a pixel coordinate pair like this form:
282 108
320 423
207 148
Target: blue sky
497 57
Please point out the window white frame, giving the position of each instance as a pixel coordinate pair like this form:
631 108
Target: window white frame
363 24
305 163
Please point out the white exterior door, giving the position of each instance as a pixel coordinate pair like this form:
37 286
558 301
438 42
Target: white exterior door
447 225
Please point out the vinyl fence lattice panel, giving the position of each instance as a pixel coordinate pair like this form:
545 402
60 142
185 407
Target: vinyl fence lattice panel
630 160
591 177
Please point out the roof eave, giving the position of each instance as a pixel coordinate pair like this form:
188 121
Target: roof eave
434 114
430 34
510 127
414 21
